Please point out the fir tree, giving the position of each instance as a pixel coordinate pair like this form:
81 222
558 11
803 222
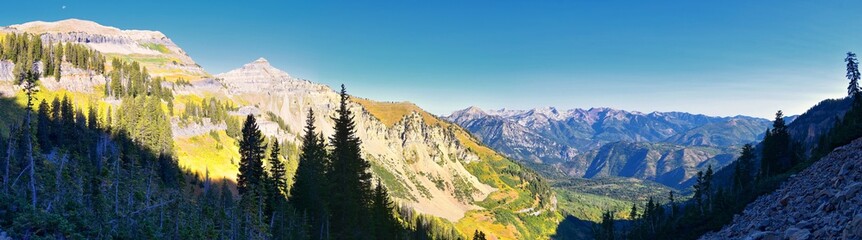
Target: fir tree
606 227
92 118
307 193
251 149
742 170
698 192
43 126
350 176
276 169
479 235
852 74
776 148
385 224
251 180
30 88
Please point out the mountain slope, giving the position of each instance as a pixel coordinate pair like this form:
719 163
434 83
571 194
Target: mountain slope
821 202
152 49
428 164
664 163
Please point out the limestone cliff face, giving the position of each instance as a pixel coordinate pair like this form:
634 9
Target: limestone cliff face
422 163
171 60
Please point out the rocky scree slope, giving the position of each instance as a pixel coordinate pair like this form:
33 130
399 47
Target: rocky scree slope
823 201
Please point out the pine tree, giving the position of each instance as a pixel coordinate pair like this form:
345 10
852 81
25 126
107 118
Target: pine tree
350 176
277 169
43 126
58 61
30 88
698 192
251 180
479 235
852 74
742 170
707 187
307 193
251 149
92 118
606 227
385 224
776 148
672 202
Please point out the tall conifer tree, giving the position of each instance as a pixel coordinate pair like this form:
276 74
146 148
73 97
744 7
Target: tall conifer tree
251 150
350 176
852 74
307 193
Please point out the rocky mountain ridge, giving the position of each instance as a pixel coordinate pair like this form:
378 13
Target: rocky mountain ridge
667 147
163 57
415 153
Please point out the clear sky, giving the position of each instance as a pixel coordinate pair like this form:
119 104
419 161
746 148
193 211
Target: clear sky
717 57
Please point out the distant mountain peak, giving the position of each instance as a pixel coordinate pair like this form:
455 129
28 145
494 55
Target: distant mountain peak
472 112
261 61
474 109
257 76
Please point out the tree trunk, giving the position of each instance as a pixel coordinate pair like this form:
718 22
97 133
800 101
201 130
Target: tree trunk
29 140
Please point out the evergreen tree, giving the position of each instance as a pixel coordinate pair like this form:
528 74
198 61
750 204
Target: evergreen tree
30 88
251 149
707 187
307 193
777 156
852 74
385 224
251 181
58 61
277 169
43 126
672 202
92 118
742 170
699 192
479 235
350 176
606 227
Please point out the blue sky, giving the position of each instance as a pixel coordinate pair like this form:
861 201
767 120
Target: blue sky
717 58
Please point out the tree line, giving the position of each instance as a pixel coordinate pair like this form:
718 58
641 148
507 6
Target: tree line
711 207
25 50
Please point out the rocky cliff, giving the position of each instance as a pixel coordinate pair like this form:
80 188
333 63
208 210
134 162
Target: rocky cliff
823 201
422 163
152 49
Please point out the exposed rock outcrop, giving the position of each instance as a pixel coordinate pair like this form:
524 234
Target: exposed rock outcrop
164 57
422 163
823 201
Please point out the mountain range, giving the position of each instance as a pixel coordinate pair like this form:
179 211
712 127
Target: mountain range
512 174
666 147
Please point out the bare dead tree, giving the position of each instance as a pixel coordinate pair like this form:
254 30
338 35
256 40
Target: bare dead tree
10 151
